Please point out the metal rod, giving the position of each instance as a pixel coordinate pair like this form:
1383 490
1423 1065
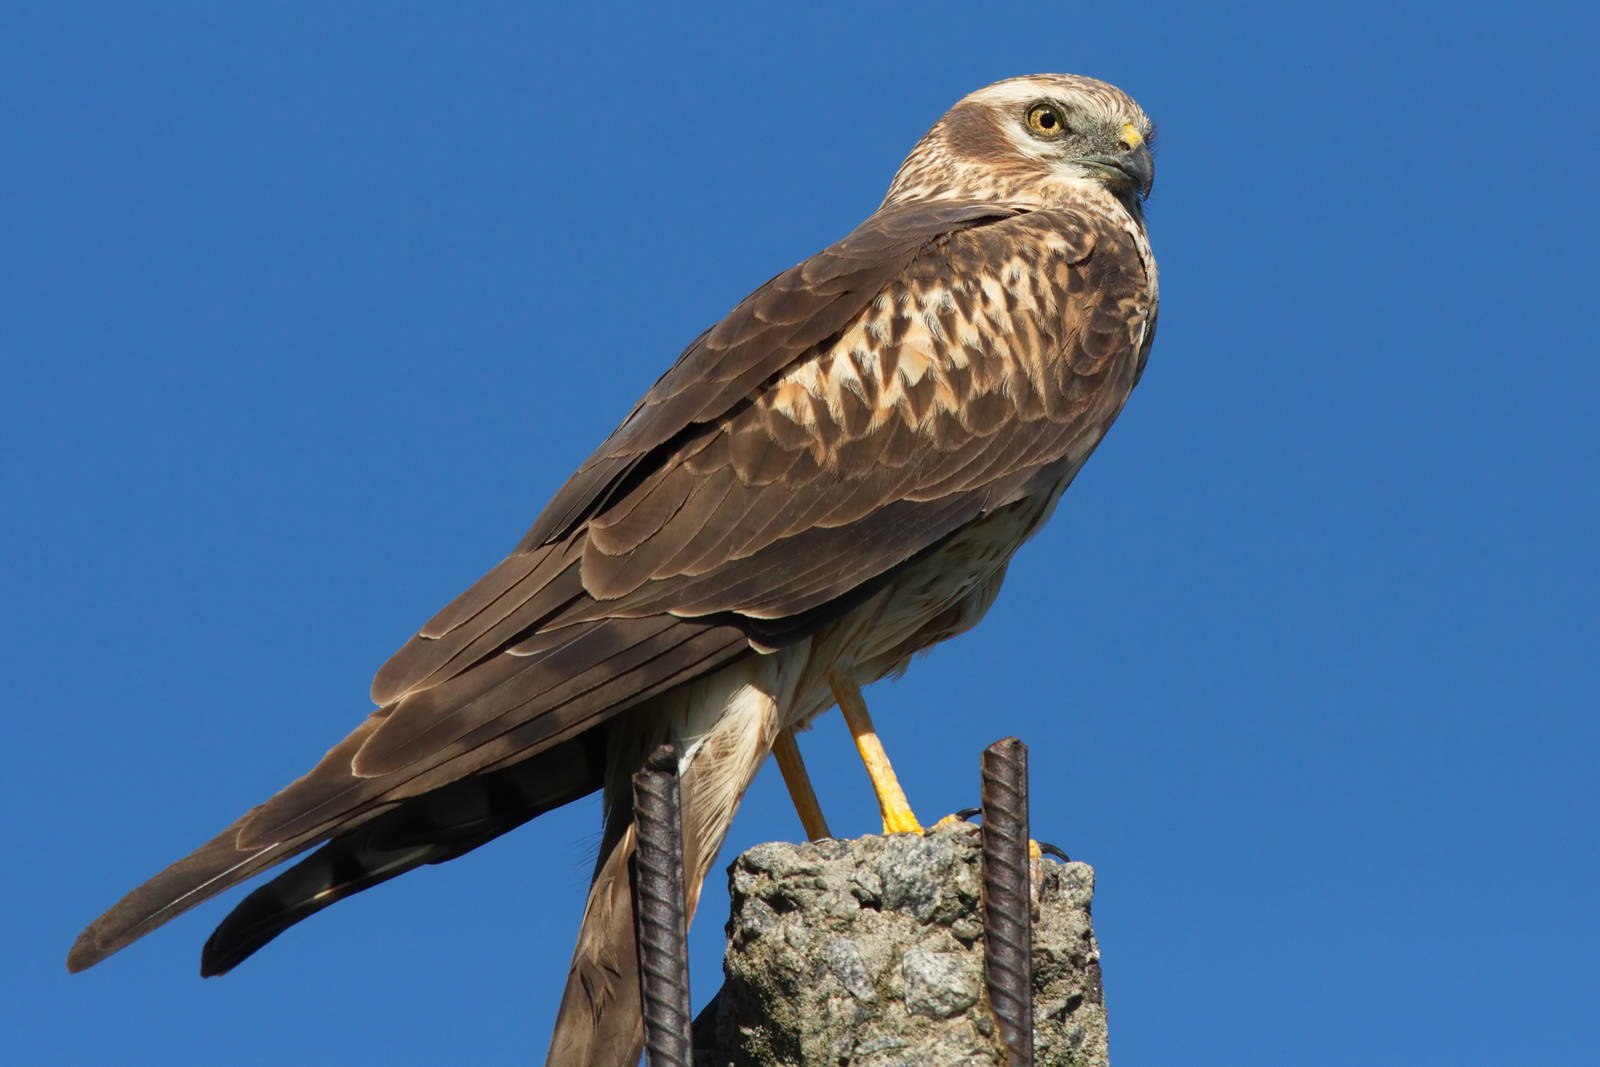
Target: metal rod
1007 901
658 911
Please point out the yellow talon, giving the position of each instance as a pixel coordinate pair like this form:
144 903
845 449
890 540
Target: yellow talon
900 820
892 803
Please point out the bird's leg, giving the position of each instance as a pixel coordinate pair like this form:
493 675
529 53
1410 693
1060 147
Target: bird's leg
787 751
897 815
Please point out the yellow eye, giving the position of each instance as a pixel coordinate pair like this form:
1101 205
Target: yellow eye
1046 121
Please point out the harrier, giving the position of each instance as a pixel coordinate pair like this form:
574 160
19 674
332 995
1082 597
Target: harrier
828 481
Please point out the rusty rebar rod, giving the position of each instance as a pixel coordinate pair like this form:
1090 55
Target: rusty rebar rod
658 911
1007 901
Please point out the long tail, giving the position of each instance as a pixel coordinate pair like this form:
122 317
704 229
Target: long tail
433 828
364 850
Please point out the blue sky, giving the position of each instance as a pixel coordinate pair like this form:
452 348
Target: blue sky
310 307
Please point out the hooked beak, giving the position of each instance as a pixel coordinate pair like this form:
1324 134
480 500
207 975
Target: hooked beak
1127 170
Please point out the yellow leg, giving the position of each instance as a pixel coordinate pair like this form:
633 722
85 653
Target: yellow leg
897 816
799 783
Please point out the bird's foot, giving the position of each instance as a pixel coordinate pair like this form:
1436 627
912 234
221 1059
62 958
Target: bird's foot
899 819
1037 850
892 803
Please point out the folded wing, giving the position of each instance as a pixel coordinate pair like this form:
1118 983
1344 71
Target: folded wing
842 420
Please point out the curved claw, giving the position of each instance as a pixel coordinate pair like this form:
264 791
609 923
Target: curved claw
1035 848
1047 849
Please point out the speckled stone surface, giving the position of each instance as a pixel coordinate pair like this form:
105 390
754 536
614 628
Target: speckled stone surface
868 953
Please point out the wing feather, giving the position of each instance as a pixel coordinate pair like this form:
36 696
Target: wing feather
744 350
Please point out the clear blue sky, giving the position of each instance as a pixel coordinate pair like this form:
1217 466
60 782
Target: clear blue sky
309 309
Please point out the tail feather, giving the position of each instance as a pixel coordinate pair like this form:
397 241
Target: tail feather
433 828
216 866
601 1022
343 867
725 726
454 811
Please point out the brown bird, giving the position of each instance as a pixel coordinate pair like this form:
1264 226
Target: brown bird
830 480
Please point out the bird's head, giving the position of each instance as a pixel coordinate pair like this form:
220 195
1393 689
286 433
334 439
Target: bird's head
1027 140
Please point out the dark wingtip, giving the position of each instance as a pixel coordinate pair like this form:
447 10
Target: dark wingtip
210 967
85 953
95 945
262 916
199 876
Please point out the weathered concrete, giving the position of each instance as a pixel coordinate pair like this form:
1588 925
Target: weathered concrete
868 953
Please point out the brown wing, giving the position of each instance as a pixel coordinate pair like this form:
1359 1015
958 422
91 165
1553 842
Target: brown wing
779 324
553 683
996 355
550 700
794 313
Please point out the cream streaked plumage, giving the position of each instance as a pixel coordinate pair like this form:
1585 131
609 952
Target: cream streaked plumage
829 480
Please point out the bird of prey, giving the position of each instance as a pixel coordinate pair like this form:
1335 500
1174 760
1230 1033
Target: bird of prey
826 482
